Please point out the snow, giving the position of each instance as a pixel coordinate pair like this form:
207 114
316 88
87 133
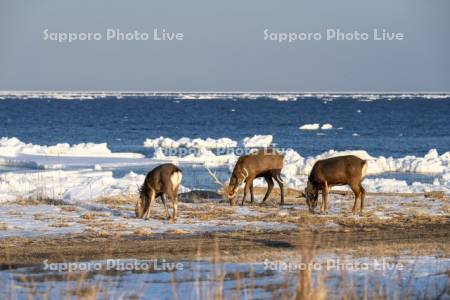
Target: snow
314 126
257 141
84 171
281 96
202 155
209 143
11 147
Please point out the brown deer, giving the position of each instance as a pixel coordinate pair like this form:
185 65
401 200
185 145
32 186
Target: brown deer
162 181
341 170
266 163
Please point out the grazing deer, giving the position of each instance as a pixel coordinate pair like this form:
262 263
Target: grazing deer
162 181
341 170
265 163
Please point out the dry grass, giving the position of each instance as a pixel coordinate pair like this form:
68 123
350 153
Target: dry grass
142 231
3 226
38 201
178 231
436 195
95 215
84 291
87 216
118 200
207 212
59 224
15 213
41 217
70 208
99 233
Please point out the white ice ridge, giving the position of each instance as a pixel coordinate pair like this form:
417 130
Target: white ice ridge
279 96
316 126
80 185
257 141
11 147
431 163
209 143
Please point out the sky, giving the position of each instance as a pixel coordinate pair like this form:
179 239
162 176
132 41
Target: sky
224 47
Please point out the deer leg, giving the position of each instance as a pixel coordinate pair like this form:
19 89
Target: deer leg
328 192
252 197
269 187
361 197
280 184
323 207
152 200
356 190
163 198
175 208
248 182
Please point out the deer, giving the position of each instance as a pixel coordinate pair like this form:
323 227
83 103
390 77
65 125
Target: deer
266 163
162 181
340 170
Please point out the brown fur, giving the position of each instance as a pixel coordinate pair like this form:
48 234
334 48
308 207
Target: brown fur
158 183
266 163
341 170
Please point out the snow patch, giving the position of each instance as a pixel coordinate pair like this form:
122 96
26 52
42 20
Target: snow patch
11 147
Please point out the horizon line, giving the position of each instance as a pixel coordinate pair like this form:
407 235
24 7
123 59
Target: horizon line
224 92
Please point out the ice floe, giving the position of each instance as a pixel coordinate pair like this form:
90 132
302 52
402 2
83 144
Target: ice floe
257 141
209 143
316 126
84 171
282 96
13 146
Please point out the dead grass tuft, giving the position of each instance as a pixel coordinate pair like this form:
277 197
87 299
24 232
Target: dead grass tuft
70 208
118 200
435 195
39 201
178 231
85 292
142 231
41 217
60 224
88 216
3 226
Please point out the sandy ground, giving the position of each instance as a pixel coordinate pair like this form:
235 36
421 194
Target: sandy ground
31 232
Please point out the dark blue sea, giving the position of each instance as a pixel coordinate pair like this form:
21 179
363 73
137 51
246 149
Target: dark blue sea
383 127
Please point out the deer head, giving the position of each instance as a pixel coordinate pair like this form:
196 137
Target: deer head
312 195
230 189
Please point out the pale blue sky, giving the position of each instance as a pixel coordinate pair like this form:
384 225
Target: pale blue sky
224 48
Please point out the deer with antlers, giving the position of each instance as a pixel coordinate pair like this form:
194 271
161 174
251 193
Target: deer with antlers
266 163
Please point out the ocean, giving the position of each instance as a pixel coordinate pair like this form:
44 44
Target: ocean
390 126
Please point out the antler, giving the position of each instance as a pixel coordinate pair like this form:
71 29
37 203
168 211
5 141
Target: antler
214 176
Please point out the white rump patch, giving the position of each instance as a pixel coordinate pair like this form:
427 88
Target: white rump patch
176 178
364 170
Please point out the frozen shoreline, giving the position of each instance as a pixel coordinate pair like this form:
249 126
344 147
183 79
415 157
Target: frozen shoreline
85 171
